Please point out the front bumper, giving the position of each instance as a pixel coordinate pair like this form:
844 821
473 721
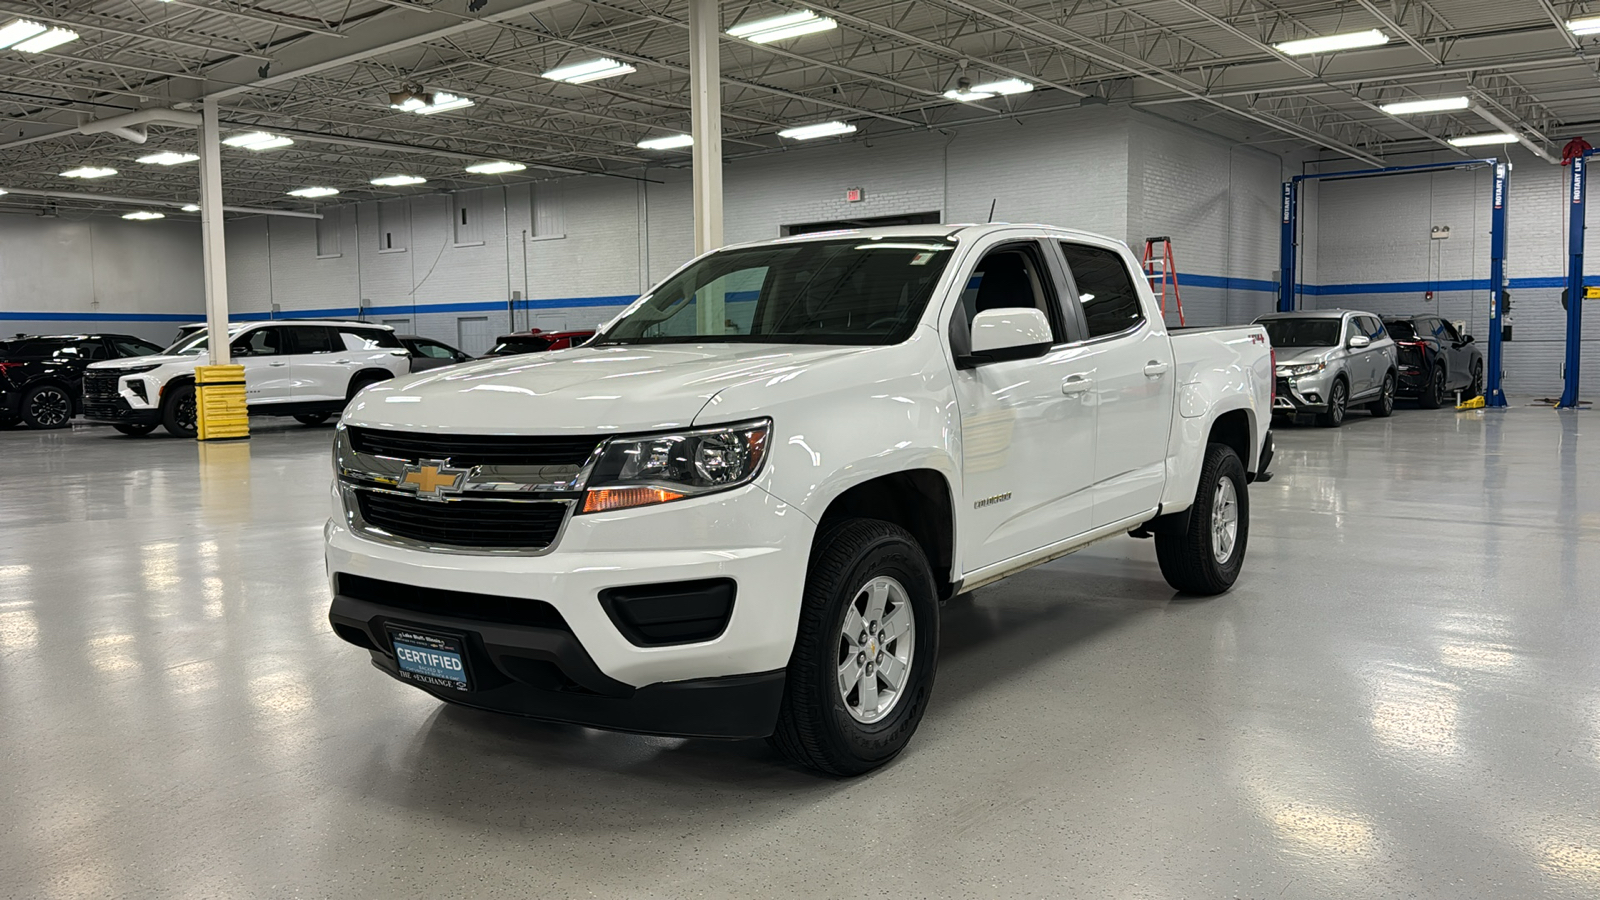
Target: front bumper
745 535
1302 395
118 411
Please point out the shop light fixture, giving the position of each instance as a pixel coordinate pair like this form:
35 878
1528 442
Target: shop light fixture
89 172
1484 140
1412 107
593 70
257 140
819 130
1333 43
670 142
966 92
31 37
780 28
191 207
143 215
398 180
428 104
1585 26
311 192
168 158
499 167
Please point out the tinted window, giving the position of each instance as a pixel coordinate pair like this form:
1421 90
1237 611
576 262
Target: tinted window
56 348
1449 332
1371 327
432 350
1105 289
1401 329
368 339
312 339
261 342
1010 277
1301 332
134 347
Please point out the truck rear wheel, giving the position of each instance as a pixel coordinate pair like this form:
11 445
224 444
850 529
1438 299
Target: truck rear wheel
1205 557
864 657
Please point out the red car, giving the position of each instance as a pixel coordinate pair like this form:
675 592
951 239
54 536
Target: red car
536 341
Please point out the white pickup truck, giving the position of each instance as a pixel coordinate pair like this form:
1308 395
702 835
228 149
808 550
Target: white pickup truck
736 511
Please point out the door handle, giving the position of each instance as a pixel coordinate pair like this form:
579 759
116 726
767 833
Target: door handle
1155 368
1076 384
277 364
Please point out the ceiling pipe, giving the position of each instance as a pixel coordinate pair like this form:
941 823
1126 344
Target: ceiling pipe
134 126
1522 139
165 204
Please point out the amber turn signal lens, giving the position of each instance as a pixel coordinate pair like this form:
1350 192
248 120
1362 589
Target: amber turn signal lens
607 499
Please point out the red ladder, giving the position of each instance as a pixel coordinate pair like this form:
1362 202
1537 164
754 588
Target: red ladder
1162 271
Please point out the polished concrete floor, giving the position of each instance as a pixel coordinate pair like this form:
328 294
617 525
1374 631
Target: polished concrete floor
1401 698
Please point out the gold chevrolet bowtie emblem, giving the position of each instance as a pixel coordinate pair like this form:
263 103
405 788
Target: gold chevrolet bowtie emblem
433 479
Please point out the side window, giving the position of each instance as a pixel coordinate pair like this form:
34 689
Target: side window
260 342
1450 332
312 339
134 347
434 351
368 339
88 350
1373 327
1011 276
1105 289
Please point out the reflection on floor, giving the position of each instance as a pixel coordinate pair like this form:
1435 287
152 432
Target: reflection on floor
1401 698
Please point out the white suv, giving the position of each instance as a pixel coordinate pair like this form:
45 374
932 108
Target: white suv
305 369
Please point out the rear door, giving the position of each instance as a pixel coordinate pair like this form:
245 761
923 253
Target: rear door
1027 426
320 370
264 354
1134 377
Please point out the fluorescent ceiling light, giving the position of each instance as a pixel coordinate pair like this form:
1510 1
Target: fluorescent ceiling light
3 192
819 130
18 30
168 158
314 192
191 207
55 37
1590 25
966 93
782 27
1410 107
398 180
670 142
88 172
442 102
593 70
257 140
143 215
1333 42
1483 140
495 168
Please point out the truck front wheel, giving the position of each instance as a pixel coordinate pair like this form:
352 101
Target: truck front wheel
1205 557
864 657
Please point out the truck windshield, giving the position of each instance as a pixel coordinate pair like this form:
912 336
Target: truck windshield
850 291
1302 332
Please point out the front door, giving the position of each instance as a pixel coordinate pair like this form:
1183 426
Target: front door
1134 378
1027 426
264 354
1358 360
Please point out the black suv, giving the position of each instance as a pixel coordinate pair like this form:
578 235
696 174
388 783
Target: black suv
1435 359
41 378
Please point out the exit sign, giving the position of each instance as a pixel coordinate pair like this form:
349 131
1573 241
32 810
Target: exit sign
854 195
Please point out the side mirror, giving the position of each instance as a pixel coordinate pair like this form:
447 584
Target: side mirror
1360 341
999 335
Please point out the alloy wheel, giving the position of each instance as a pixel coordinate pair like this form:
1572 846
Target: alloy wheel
1224 521
50 408
876 643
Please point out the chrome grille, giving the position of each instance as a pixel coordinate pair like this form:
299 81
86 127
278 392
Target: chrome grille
472 523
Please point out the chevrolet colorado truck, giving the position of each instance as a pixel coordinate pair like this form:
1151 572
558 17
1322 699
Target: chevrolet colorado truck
735 512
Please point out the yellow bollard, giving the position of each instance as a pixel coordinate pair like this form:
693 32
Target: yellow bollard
220 403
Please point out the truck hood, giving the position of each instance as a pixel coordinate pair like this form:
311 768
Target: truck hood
1300 356
582 390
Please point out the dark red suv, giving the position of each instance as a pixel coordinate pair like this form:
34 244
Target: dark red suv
537 341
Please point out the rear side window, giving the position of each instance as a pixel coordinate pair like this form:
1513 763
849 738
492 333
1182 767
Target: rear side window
1401 330
434 351
1105 289
312 339
56 348
368 339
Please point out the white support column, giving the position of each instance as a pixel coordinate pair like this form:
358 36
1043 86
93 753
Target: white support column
212 244
705 117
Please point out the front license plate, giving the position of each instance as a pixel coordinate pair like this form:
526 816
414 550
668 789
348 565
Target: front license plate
434 659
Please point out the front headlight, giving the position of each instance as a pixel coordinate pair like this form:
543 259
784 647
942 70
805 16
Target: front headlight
1309 369
665 467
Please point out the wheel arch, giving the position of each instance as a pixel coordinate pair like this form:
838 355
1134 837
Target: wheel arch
919 500
364 377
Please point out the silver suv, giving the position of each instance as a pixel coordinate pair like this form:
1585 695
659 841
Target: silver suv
1330 360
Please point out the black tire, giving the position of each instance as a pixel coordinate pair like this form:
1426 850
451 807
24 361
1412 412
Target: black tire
1383 407
1475 386
816 727
1188 558
1338 404
1432 396
312 419
179 414
363 380
139 429
47 406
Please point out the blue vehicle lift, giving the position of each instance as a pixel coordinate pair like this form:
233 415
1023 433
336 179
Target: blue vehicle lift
1578 194
1288 252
